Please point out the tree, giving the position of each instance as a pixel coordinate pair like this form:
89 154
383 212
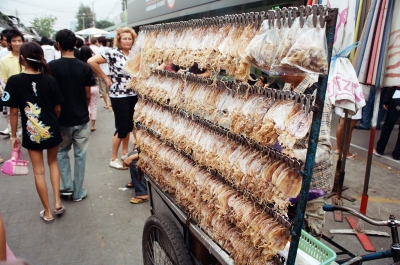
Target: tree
102 24
44 25
84 14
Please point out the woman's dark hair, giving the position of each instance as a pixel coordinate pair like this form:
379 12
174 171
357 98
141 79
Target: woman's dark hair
34 57
85 53
66 39
252 79
274 85
44 40
79 43
12 33
102 40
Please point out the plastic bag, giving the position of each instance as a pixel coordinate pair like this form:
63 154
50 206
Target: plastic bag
260 50
310 52
287 36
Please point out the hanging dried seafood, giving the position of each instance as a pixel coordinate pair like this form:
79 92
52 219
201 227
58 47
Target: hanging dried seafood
216 146
243 229
235 42
239 108
309 52
246 168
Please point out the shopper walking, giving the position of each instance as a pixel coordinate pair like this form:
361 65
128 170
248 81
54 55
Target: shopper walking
85 54
104 89
3 52
123 99
74 78
94 45
49 51
9 66
38 97
391 103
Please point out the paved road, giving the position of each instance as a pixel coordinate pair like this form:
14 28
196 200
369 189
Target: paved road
106 229
102 229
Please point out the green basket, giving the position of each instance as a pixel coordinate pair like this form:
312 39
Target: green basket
316 249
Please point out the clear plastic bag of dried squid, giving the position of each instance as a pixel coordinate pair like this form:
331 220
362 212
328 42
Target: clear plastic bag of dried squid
310 51
287 36
261 49
132 65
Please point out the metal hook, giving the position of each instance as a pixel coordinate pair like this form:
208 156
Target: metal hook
301 10
321 16
314 14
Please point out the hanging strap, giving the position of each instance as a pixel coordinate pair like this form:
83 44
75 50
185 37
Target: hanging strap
343 54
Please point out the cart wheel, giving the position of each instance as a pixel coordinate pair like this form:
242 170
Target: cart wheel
162 243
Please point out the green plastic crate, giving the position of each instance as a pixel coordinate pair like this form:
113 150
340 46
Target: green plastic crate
316 248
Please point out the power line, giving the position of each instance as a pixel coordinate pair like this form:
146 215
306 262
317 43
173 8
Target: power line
40 7
64 11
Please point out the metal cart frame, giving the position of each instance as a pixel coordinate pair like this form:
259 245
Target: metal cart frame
163 204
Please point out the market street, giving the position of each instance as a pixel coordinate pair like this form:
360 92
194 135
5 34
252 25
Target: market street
106 229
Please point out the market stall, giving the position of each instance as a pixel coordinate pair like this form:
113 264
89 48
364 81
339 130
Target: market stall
217 154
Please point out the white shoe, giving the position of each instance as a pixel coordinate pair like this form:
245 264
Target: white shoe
123 157
117 164
5 132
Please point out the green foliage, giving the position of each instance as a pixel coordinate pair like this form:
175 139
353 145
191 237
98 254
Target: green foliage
102 24
44 25
84 14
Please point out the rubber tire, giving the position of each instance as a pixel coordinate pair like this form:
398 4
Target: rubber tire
177 249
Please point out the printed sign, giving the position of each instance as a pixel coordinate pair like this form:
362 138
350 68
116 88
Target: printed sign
139 10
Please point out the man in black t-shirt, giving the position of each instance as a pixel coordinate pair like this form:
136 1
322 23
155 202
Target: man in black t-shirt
74 78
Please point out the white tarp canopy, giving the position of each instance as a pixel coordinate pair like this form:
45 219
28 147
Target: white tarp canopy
91 31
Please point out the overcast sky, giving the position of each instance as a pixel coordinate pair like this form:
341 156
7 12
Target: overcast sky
64 10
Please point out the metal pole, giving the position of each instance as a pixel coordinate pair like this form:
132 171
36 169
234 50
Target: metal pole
83 20
93 24
364 198
312 142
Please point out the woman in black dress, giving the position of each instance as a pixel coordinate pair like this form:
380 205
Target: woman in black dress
38 98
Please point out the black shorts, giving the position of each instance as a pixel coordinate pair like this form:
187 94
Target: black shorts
123 114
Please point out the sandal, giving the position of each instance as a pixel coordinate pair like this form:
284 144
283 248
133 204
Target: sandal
137 200
130 186
45 219
352 157
60 210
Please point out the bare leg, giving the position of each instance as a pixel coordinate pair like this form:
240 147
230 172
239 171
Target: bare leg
105 98
116 142
352 125
3 251
339 132
93 125
54 174
125 144
36 157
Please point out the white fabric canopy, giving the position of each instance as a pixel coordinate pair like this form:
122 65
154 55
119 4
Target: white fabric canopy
91 31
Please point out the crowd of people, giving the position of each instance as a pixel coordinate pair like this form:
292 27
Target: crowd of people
49 91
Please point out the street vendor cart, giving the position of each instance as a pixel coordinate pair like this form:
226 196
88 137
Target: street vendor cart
213 151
